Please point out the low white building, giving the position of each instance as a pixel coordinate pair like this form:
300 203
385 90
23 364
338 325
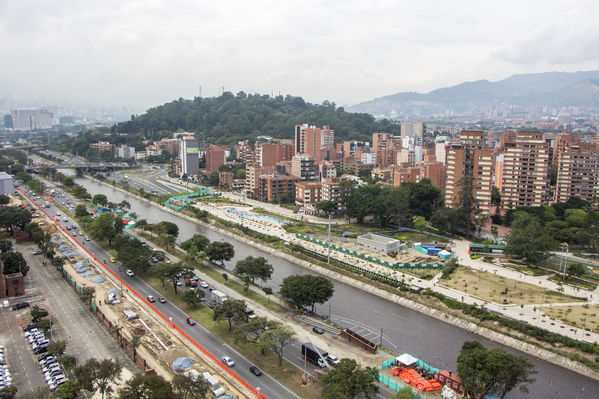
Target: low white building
379 243
6 183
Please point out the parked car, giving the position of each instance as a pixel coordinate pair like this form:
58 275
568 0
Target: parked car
20 305
30 326
203 284
317 330
37 252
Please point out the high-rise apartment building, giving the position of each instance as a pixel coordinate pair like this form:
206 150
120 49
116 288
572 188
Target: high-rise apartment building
267 154
310 140
413 129
27 119
525 171
471 159
274 185
560 143
190 161
215 158
577 173
303 167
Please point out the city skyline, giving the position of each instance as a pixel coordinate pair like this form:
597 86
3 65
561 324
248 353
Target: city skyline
137 54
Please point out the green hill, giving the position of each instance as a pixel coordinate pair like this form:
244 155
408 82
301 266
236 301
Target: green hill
230 118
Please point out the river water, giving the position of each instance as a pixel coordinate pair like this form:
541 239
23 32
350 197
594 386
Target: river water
435 342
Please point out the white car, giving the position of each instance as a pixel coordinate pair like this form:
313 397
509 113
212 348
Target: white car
57 213
227 361
130 273
203 284
86 238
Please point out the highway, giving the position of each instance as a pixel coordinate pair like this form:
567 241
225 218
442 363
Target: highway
264 384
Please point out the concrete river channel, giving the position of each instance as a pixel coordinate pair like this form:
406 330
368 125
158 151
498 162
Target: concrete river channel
404 330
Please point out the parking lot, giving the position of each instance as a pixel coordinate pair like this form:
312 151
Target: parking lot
72 322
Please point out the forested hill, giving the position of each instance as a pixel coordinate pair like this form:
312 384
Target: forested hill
230 118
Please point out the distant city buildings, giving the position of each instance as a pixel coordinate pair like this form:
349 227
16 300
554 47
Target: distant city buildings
27 120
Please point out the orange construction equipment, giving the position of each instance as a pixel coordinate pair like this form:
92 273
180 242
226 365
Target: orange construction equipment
414 378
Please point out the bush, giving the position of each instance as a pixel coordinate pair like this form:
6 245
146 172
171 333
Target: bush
449 268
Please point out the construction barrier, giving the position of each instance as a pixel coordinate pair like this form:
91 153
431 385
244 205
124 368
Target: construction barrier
166 319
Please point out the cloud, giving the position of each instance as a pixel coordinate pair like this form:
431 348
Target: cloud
145 52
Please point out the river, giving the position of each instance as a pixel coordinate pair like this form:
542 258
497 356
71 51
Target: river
405 330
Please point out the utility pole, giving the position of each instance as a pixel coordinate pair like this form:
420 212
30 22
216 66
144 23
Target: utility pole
381 340
329 244
200 92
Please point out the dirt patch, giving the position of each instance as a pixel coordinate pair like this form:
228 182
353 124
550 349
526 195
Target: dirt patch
585 316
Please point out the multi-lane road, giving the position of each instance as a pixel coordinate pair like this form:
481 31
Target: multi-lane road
265 384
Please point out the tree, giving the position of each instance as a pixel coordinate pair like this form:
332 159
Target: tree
68 181
100 199
254 268
14 262
576 269
492 371
189 388
12 217
80 211
146 386
251 331
495 196
528 238
193 297
8 392
67 362
349 380
106 227
306 290
276 339
170 228
420 223
68 390
38 313
4 200
327 207
219 252
198 241
227 310
175 271
57 348
5 245
97 375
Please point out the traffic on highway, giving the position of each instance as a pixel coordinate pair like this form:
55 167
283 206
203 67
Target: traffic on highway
263 383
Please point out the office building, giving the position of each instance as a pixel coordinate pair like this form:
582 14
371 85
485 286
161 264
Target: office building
190 161
525 171
414 130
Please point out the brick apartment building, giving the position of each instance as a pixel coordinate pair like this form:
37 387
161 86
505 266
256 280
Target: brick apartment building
310 140
215 158
470 158
270 154
274 185
525 171
577 173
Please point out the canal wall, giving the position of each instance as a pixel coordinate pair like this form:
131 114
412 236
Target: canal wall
495 336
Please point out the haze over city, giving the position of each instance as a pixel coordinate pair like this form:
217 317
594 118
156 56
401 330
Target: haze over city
140 54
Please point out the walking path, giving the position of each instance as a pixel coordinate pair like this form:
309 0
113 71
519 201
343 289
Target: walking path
531 313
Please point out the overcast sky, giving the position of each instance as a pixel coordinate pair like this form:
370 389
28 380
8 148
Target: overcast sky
145 52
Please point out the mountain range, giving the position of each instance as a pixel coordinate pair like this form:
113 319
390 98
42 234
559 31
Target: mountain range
549 89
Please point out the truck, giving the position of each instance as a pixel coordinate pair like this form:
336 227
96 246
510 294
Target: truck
314 354
218 297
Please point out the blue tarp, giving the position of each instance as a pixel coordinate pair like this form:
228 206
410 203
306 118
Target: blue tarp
183 363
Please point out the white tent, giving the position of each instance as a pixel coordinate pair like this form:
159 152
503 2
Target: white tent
406 359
